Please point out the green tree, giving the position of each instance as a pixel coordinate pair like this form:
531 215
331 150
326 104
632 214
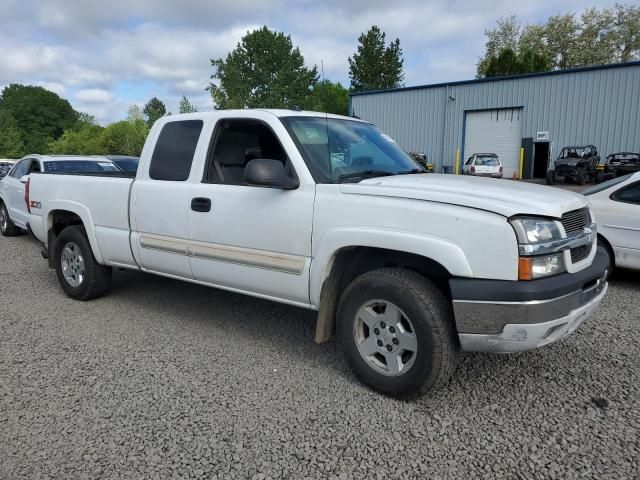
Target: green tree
126 137
186 106
627 32
329 97
87 140
11 145
504 35
561 32
508 62
154 109
595 37
41 115
376 66
264 70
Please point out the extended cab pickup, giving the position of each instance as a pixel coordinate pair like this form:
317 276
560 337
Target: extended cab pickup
328 213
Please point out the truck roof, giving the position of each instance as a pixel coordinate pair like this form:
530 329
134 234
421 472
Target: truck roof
278 112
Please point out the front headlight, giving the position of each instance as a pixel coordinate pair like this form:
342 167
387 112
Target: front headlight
535 230
532 234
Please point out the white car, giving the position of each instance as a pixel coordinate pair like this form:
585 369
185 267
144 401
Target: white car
329 214
483 165
616 206
13 209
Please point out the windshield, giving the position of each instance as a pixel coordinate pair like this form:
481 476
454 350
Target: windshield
337 150
575 152
79 166
623 157
605 185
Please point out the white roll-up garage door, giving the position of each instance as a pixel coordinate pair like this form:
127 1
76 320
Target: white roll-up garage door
496 131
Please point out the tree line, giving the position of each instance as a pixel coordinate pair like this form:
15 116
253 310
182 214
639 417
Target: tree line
596 37
36 120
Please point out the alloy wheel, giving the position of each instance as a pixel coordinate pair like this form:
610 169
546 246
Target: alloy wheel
385 337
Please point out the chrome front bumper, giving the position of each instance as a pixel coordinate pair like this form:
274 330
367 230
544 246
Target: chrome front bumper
517 337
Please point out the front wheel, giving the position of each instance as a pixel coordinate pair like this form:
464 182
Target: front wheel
396 330
581 177
611 263
79 273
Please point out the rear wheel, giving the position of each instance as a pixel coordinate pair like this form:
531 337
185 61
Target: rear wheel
599 177
79 273
551 177
7 227
397 332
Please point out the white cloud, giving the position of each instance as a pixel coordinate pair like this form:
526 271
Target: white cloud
93 95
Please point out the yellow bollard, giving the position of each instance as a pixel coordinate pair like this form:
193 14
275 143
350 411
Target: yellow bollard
457 160
521 161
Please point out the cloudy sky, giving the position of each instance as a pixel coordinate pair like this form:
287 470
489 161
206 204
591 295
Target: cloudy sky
103 56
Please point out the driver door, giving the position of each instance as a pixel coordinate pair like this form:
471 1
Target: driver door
247 238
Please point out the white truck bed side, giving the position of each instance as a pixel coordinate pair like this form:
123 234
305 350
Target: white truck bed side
101 202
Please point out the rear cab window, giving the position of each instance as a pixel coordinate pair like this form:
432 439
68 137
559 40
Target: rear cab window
174 150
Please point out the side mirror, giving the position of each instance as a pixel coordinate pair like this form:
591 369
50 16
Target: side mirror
265 172
24 179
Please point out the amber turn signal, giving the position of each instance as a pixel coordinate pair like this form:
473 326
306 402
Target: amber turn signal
525 268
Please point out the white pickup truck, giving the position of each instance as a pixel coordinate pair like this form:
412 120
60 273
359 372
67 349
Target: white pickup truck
328 213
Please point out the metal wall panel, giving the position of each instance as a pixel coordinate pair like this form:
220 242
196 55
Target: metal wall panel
598 106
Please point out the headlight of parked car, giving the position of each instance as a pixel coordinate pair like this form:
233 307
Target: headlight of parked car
533 235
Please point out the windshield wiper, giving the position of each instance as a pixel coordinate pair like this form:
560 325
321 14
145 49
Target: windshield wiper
364 173
410 172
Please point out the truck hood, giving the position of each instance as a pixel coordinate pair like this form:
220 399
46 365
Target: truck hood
504 197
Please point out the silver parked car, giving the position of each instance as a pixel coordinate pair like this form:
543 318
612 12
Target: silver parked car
13 209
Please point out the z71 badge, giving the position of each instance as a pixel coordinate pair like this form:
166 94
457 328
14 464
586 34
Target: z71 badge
34 204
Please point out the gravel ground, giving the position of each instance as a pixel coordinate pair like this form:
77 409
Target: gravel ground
163 379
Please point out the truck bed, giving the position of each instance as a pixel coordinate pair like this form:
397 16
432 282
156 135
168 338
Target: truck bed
102 197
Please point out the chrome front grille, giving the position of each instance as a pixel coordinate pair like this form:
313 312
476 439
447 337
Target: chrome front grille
580 253
575 221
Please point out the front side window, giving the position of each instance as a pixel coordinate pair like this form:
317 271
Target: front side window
21 169
174 150
236 143
337 150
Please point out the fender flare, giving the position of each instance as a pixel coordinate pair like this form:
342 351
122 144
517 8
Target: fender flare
85 215
440 250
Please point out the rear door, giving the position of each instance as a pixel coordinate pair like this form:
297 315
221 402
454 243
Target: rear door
247 238
160 199
623 224
13 191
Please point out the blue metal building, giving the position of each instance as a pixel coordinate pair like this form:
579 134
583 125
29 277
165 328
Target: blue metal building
526 119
